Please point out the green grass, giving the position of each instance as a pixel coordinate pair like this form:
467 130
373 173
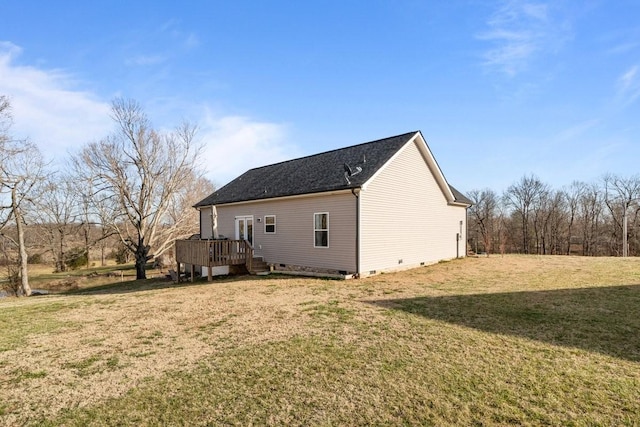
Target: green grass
93 365
331 309
21 375
20 322
499 341
83 367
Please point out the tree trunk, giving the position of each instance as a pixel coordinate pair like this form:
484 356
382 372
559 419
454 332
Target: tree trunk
140 271
63 261
86 243
142 256
25 289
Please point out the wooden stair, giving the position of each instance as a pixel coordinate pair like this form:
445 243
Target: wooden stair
259 267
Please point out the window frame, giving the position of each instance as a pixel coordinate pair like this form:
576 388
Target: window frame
315 230
274 224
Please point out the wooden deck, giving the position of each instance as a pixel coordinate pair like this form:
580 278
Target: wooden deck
213 253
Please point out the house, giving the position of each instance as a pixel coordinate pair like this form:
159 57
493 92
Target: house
351 212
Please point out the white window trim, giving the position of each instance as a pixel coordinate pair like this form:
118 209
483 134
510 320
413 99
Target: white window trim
314 230
275 222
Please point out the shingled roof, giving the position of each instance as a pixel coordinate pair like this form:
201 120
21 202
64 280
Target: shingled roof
313 174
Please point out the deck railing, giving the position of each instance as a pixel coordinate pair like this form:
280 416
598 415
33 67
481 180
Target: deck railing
213 253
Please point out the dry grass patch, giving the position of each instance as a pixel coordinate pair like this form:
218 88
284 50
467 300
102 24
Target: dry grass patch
512 340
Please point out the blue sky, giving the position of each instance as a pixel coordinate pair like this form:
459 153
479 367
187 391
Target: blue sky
499 89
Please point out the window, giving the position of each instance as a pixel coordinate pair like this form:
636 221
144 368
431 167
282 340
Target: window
269 224
321 230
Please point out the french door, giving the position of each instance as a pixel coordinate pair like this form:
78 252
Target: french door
244 228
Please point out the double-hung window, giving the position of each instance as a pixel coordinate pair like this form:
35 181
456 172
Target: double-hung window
321 230
269 224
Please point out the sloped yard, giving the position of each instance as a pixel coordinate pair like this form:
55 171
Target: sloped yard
487 341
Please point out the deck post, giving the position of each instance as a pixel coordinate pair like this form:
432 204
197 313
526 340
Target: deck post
193 273
210 262
178 272
248 251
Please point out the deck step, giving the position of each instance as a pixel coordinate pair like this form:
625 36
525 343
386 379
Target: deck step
259 267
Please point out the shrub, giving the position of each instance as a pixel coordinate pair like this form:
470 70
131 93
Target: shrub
76 258
121 254
34 259
12 284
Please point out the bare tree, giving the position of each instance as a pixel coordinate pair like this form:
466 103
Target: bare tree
141 171
21 170
573 194
590 209
5 119
524 197
94 212
540 208
532 217
501 228
555 227
483 213
57 217
620 194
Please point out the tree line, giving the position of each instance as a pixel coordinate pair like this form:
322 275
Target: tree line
136 185
531 217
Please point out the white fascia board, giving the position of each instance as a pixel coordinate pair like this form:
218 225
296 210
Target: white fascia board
435 170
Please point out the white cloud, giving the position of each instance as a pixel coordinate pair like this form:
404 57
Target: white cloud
188 40
628 80
191 41
50 110
622 40
576 131
518 31
537 11
46 107
145 60
624 47
629 86
162 46
235 144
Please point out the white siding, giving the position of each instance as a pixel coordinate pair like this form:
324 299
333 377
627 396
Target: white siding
405 218
293 242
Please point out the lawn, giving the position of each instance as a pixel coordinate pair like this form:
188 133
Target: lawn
522 340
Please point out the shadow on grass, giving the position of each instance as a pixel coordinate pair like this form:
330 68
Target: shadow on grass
605 320
162 283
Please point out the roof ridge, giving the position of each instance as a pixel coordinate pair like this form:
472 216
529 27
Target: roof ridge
331 151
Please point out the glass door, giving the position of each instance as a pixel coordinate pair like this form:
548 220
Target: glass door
244 228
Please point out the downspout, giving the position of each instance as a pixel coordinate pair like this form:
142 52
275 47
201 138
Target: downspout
466 229
357 196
